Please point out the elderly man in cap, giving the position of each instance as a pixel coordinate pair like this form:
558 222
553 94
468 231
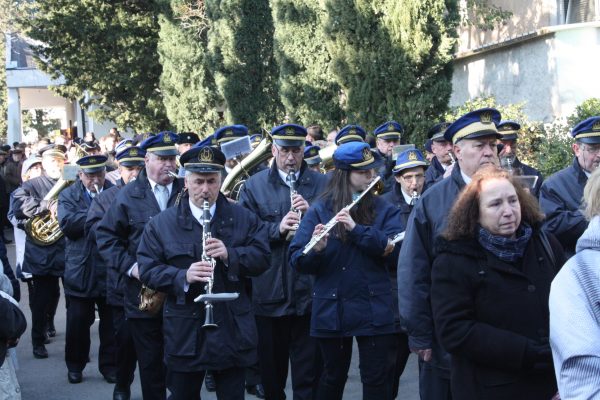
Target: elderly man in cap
171 260
131 162
118 235
186 141
45 263
85 275
561 193
312 158
474 137
282 297
442 151
387 135
509 133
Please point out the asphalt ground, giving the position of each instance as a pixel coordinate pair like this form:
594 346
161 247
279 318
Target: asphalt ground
46 379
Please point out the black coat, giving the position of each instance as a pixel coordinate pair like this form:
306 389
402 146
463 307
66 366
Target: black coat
280 290
171 242
434 173
386 172
493 318
13 324
28 202
100 205
85 274
120 230
560 200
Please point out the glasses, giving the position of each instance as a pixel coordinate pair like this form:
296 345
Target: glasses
592 150
410 178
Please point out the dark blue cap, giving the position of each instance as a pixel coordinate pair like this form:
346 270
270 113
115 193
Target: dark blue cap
206 159
92 164
290 135
390 130
475 124
230 132
311 155
255 139
409 159
188 137
162 144
207 141
428 145
350 133
436 132
587 131
131 157
123 144
356 156
509 130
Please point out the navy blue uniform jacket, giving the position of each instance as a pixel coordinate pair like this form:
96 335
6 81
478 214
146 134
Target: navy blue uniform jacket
29 201
434 173
119 233
560 200
280 290
85 274
171 242
352 293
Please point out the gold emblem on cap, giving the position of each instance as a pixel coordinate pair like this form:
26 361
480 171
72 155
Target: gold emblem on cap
352 131
390 127
412 156
367 155
290 130
133 152
228 132
167 138
596 126
92 160
486 117
205 155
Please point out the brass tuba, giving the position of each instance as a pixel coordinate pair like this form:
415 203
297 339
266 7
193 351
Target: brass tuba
234 181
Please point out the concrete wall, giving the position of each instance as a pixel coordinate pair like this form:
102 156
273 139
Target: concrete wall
552 72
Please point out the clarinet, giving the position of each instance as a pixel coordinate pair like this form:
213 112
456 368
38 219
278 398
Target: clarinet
332 222
293 192
414 197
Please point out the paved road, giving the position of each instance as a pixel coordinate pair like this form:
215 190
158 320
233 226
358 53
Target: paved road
47 379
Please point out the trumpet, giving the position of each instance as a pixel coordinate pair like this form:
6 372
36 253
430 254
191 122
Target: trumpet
209 297
292 179
333 222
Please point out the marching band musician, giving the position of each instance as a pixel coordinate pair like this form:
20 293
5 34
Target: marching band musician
281 297
85 276
118 236
352 293
170 259
387 136
350 133
312 158
474 137
45 263
441 149
131 162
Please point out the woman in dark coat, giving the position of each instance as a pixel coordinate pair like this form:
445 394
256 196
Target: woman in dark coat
490 288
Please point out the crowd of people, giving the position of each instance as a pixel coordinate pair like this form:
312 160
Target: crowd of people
455 254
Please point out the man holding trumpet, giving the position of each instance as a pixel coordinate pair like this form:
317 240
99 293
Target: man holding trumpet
176 257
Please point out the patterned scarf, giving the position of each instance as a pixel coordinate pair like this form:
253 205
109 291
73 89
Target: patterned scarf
506 249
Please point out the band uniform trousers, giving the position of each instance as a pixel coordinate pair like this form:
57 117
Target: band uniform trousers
402 353
43 306
187 385
434 383
148 340
282 341
80 317
125 349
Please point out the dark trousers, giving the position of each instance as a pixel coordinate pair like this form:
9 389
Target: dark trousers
377 356
149 346
43 306
402 353
282 341
125 349
187 385
433 382
253 375
81 314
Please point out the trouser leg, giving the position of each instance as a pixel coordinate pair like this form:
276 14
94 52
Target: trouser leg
80 317
148 340
336 354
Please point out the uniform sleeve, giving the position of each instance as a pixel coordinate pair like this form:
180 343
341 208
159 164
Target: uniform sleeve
414 280
112 238
253 258
248 200
71 215
94 216
26 205
567 225
453 305
373 240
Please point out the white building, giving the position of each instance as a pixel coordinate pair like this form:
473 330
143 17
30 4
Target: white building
546 55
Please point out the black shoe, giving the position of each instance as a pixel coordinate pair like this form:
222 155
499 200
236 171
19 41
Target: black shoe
121 393
39 351
51 329
110 377
209 382
75 377
46 338
256 390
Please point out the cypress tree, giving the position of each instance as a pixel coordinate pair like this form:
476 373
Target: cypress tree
188 86
240 44
393 59
307 87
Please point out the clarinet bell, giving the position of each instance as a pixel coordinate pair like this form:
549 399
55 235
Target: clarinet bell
209 321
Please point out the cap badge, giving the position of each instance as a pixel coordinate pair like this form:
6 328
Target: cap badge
205 155
229 132
412 156
167 138
390 127
352 131
367 155
91 160
290 130
133 152
596 126
486 117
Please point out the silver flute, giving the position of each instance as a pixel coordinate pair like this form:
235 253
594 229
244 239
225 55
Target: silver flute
333 222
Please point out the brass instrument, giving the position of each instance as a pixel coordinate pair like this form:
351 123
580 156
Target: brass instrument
326 155
234 181
209 298
292 180
333 222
